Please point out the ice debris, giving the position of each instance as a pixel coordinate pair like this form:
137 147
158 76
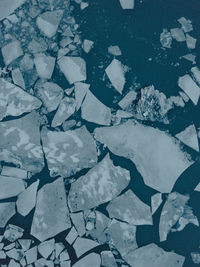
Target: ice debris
156 201
14 172
114 50
127 4
82 245
156 154
92 259
10 187
186 24
18 78
178 34
11 51
190 41
166 38
78 222
46 248
44 65
195 257
7 210
87 45
51 199
7 7
13 232
80 91
101 184
107 259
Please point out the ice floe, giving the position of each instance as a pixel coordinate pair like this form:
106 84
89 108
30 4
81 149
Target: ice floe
7 7
44 65
82 245
7 210
127 4
11 51
92 259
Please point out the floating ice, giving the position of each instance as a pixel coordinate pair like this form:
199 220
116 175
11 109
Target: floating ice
59 247
87 45
10 187
11 51
80 92
186 24
74 68
156 154
8 6
101 184
114 50
127 4
76 147
13 263
166 38
18 78
107 259
46 248
16 254
25 244
187 84
156 201
190 57
195 257
72 235
190 41
95 111
31 255
51 200
178 34
129 208
127 100
82 245
14 172
115 73
78 222
92 259
7 210
13 232
189 137
196 74
44 65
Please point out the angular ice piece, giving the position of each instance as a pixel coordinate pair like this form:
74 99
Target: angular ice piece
72 235
171 212
65 264
166 38
51 213
10 187
195 257
50 94
2 255
13 232
114 50
184 96
74 68
78 222
92 259
197 188
196 74
8 6
87 45
44 65
13 263
129 208
190 57
186 218
48 22
21 138
186 24
69 124
31 255
37 46
25 244
16 254
14 172
59 247
7 211
156 201
122 236
116 75
153 256
187 84
18 78
127 4
27 199
80 92
15 101
46 248
95 111
127 99
156 155
101 184
64 255
76 148
65 110
189 137
84 5
11 51
82 245
178 34
190 41
107 259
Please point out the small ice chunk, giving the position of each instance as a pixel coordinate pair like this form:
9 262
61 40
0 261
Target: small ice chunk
71 236
80 92
74 68
78 222
64 255
190 41
18 78
166 38
127 99
51 209
7 211
107 259
82 245
13 263
37 46
190 57
65 110
65 264
48 22
31 255
2 255
25 244
59 247
46 248
14 172
95 111
84 5
11 51
16 254
127 4
189 137
196 74
156 201
114 50
7 7
186 24
129 208
178 34
10 187
116 75
195 257
27 199
69 124
172 210
197 188
187 84
87 45
92 259
44 65
13 232
186 218
101 184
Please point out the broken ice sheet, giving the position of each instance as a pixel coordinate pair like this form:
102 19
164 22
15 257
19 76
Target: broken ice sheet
107 259
171 212
95 111
166 38
187 84
129 208
74 68
82 245
14 172
154 256
101 184
87 45
15 101
20 142
155 153
189 137
7 210
80 90
78 222
13 232
186 24
92 259
156 201
196 74
8 6
44 65
114 50
190 57
10 187
190 41
46 248
116 74
127 4
178 34
18 78
11 51
51 213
